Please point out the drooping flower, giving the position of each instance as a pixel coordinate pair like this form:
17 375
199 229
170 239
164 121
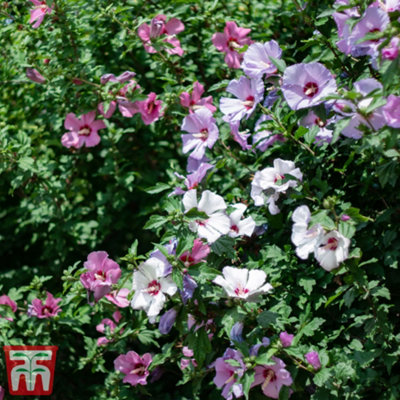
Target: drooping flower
249 93
257 62
216 223
6 301
304 238
119 297
82 131
374 120
198 254
286 339
324 134
102 273
332 250
193 101
238 137
226 375
306 85
126 107
159 26
272 378
269 183
232 39
313 359
391 111
256 348
167 321
189 286
243 283
149 109
203 132
391 52
134 367
150 285
49 309
264 138
193 164
239 226
236 332
35 76
111 326
38 12
193 180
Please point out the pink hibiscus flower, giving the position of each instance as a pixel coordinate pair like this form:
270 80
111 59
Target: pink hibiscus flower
194 101
232 39
49 309
198 254
82 131
134 367
6 301
150 109
38 12
159 27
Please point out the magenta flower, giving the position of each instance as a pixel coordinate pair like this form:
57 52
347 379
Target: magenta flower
101 275
226 374
49 309
198 254
35 76
106 322
232 39
391 52
185 362
249 93
126 107
203 132
159 27
6 301
150 109
256 61
272 378
391 111
38 12
306 85
2 392
82 131
313 359
194 101
119 297
134 367
286 339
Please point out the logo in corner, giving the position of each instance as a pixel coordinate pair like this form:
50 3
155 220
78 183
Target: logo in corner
30 369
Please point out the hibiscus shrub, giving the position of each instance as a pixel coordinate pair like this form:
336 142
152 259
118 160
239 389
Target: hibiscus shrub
198 198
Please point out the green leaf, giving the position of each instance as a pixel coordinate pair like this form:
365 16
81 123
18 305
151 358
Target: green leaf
155 221
279 63
323 219
247 380
266 318
224 247
159 187
307 284
322 376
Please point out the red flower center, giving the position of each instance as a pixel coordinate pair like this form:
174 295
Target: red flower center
269 376
100 275
310 89
332 244
235 228
372 31
187 259
47 310
233 44
318 121
153 288
279 177
85 130
239 291
249 103
138 369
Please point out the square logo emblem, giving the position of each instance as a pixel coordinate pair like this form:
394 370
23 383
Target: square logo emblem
30 369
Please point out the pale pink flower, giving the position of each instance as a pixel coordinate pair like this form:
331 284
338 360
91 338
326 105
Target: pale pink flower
305 239
185 362
119 297
150 109
101 274
272 378
256 61
391 111
151 285
306 85
239 226
232 39
332 250
198 254
391 52
49 309
38 12
216 223
193 101
269 183
106 322
392 5
134 367
249 93
35 76
82 131
203 132
313 359
159 27
6 301
243 283
286 339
